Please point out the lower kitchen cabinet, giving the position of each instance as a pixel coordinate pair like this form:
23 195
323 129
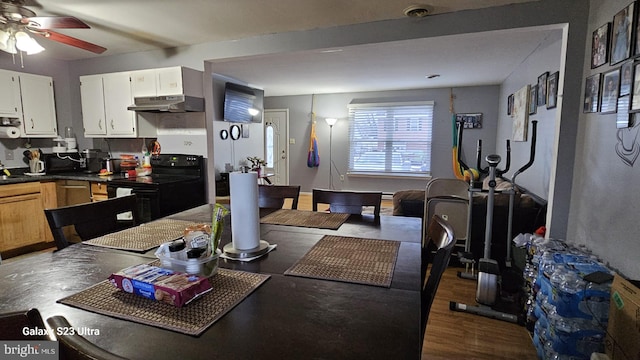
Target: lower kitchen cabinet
98 191
21 215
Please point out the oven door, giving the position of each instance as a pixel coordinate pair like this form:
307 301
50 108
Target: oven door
148 200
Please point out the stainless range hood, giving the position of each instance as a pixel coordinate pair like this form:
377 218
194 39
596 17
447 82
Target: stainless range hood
172 103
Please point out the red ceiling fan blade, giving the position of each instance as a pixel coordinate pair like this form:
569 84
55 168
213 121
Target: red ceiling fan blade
65 39
55 22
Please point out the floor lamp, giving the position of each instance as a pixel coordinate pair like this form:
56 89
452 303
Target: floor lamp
330 122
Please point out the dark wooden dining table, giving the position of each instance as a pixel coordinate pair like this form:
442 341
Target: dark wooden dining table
287 317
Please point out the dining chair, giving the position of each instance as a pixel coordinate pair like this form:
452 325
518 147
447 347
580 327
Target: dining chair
13 323
91 219
274 196
74 346
437 246
348 202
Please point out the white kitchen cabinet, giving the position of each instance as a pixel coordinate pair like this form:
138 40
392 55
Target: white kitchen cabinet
10 105
38 106
105 98
174 80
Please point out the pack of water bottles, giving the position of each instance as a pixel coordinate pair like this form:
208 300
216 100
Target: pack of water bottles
567 315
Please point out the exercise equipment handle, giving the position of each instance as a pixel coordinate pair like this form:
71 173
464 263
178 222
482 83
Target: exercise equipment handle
532 156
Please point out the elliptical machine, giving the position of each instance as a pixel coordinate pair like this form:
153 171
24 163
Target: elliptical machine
488 277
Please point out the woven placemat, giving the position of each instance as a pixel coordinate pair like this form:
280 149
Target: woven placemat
349 259
311 219
144 237
230 287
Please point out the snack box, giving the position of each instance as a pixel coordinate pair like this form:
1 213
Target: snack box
160 284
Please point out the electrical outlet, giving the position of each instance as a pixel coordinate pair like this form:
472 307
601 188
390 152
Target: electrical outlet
292 141
8 154
341 177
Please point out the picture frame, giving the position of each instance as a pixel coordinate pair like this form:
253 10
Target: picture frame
635 89
520 114
510 105
610 90
626 78
600 45
592 94
621 32
533 99
552 90
470 121
623 118
542 88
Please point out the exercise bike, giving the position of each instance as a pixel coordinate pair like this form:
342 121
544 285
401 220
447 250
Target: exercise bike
488 277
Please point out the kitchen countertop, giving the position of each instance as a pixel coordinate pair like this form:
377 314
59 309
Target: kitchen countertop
18 177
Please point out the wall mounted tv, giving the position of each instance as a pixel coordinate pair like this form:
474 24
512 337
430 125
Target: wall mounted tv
242 104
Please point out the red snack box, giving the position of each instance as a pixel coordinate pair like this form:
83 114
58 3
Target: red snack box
160 284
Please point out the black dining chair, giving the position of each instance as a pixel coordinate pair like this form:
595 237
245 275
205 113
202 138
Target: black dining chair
74 346
348 202
13 323
92 219
437 246
274 196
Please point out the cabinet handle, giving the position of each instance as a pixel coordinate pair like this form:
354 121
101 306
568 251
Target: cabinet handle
112 127
100 124
33 125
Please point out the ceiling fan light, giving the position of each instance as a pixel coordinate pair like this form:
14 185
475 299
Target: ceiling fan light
11 45
4 37
26 43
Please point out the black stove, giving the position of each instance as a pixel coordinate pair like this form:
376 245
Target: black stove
177 183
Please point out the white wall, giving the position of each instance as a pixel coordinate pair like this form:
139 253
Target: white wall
606 191
537 178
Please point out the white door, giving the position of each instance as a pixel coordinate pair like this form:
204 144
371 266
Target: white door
276 145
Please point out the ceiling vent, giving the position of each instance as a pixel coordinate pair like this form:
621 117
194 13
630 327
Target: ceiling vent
417 11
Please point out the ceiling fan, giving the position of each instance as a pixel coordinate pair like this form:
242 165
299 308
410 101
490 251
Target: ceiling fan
17 23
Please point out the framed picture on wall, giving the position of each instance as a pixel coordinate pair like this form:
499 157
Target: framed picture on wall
622 29
623 116
520 114
542 88
626 78
470 121
635 89
510 105
533 99
610 89
552 90
592 94
600 45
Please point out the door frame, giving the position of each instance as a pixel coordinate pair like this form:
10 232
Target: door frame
286 163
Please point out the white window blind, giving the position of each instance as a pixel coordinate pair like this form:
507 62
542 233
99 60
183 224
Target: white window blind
390 138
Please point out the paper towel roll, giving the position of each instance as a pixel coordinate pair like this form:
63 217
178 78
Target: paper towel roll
245 214
9 132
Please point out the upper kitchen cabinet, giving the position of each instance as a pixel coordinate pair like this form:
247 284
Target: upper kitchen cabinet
105 98
10 105
29 98
38 106
168 81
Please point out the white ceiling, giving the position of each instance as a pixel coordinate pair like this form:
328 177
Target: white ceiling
124 26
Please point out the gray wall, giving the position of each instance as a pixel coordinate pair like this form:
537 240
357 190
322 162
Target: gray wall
482 99
606 191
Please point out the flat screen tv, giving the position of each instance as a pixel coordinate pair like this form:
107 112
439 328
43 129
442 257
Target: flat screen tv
242 104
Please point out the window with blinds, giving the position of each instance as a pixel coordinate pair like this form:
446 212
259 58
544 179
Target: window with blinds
390 138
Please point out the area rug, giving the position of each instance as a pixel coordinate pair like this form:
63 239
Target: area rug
349 259
144 237
311 219
229 288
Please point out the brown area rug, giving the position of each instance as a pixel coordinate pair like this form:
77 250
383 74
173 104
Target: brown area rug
349 259
311 219
229 288
144 237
